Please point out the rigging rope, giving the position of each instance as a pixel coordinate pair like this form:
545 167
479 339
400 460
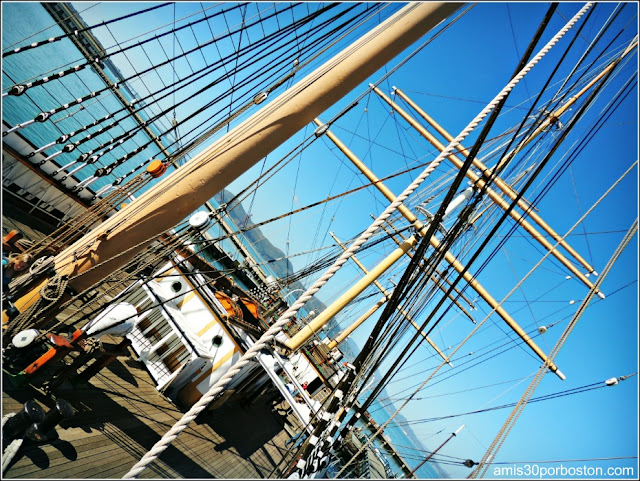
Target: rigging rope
515 288
500 96
77 32
276 327
114 142
527 395
141 102
42 116
19 89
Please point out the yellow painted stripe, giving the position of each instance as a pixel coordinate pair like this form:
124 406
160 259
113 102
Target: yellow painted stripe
186 298
166 274
215 366
210 309
207 327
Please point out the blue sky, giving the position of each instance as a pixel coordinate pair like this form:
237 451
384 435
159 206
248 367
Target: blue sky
452 78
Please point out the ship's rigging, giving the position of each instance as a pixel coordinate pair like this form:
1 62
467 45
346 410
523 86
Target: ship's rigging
414 292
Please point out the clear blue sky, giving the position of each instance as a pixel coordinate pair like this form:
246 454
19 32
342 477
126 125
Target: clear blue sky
453 78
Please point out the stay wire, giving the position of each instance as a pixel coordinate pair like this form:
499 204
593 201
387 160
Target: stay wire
172 158
202 137
19 89
204 71
79 31
252 77
435 223
392 304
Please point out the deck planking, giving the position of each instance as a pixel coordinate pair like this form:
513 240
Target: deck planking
120 417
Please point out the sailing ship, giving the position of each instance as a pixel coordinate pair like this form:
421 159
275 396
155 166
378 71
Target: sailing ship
153 154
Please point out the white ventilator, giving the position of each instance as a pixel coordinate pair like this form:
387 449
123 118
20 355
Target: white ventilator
115 320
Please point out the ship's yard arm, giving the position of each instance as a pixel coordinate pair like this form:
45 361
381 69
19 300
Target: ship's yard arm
316 324
506 428
503 186
380 186
114 242
493 195
555 116
551 119
386 294
486 318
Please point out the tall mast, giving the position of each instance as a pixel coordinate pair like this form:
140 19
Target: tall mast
438 282
110 245
441 277
503 186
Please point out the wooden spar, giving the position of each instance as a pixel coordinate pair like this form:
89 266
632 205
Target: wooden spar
436 282
441 276
344 334
308 331
305 334
555 116
363 168
493 195
110 245
503 186
387 295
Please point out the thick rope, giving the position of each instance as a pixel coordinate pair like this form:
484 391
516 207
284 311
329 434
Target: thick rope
50 293
39 267
218 387
10 453
504 432
168 438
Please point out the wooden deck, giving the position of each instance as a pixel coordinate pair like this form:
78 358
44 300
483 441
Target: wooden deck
120 416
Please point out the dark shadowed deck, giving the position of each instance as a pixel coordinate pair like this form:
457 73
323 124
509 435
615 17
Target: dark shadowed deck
120 416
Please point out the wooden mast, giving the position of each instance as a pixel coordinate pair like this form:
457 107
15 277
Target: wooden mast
503 186
434 279
441 276
118 239
555 116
